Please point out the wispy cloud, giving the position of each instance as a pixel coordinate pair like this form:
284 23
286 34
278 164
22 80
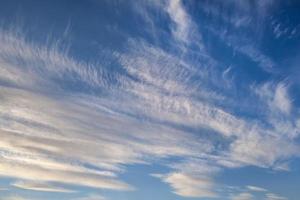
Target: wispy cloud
189 185
272 196
256 189
243 196
276 96
76 123
182 22
92 197
249 193
55 144
40 186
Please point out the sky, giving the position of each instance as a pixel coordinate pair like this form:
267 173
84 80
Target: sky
149 99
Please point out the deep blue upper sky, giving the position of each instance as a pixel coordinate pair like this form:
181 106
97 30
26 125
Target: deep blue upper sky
149 99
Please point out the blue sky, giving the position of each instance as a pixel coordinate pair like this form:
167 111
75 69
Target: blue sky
149 99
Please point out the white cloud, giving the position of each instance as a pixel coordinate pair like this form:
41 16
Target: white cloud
181 19
281 98
55 144
92 197
243 196
189 185
257 56
40 186
51 133
278 102
276 96
272 196
26 63
21 170
260 149
256 189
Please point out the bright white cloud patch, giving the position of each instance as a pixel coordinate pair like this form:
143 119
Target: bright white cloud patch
189 185
181 20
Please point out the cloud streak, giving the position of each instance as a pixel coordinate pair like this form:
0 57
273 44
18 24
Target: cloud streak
38 186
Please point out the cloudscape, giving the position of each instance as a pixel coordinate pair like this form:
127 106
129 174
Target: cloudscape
149 100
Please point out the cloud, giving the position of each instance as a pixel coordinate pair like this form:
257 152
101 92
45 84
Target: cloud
20 170
56 144
251 148
238 26
257 56
277 97
189 185
281 99
256 189
181 20
13 197
40 186
26 63
243 196
92 197
77 123
272 196
249 195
